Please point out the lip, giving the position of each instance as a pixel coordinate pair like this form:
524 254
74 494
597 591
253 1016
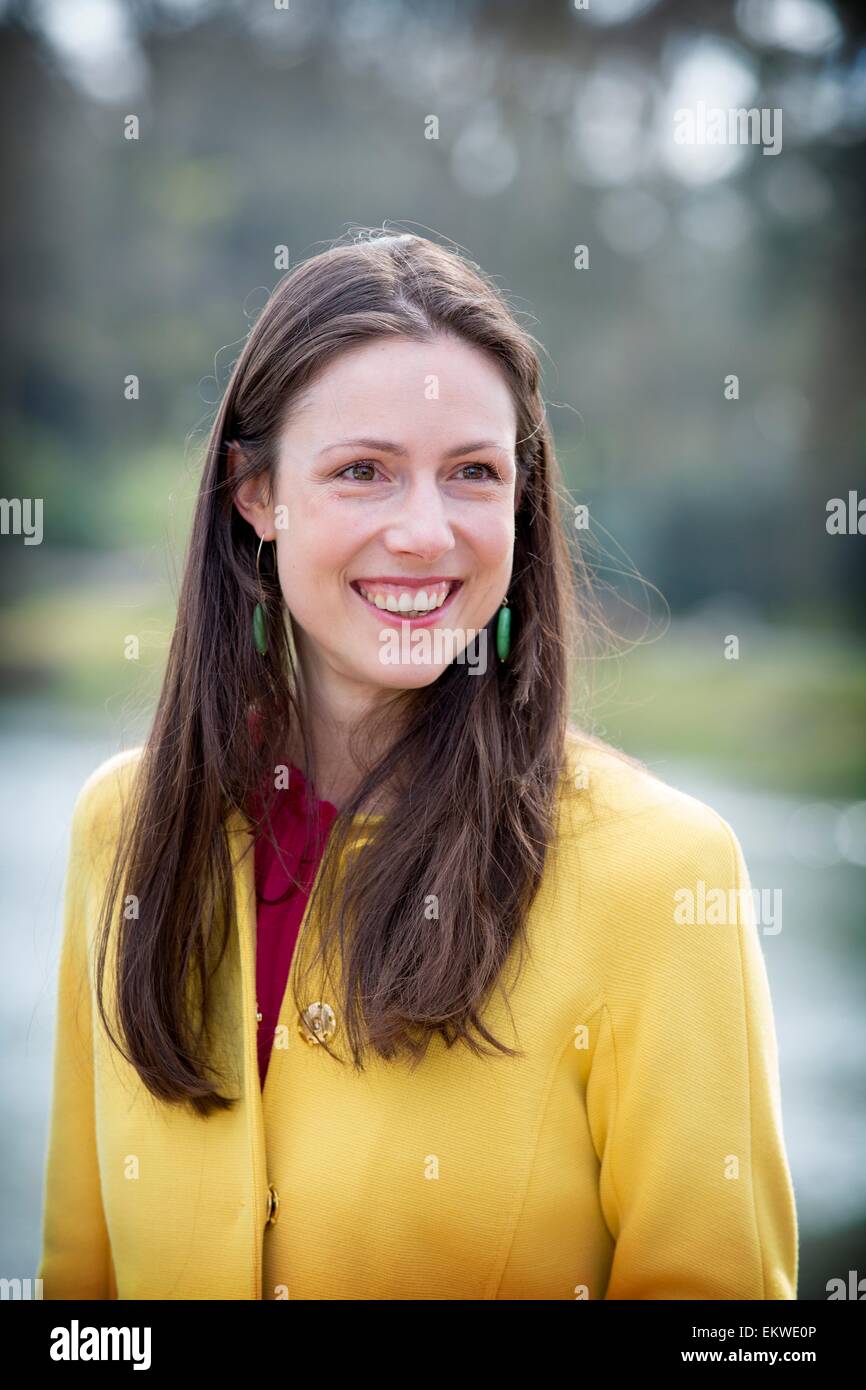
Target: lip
426 620
408 582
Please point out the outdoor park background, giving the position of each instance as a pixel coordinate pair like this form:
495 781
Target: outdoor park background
262 127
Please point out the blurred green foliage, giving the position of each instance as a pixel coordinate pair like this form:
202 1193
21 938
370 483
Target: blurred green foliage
260 130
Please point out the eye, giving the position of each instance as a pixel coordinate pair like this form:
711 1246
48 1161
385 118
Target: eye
359 463
491 472
488 471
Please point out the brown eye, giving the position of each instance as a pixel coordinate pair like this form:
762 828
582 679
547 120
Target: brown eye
361 463
490 471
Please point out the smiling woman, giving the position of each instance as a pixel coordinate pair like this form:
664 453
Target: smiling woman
427 533
450 911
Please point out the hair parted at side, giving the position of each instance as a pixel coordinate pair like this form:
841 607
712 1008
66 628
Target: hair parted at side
474 762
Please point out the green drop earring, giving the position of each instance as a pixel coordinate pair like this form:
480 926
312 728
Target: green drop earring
260 622
503 631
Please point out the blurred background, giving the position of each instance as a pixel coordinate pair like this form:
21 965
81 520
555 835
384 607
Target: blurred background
520 132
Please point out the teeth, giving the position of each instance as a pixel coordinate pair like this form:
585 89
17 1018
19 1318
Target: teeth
408 604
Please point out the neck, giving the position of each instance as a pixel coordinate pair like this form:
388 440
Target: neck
335 772
333 707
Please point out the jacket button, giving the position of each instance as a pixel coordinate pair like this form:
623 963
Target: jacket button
318 1023
273 1205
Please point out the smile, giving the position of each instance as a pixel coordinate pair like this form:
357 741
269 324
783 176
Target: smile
419 605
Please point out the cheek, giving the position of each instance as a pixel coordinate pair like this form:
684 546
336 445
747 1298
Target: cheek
318 545
314 574
491 535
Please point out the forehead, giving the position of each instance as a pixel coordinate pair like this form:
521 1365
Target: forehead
445 384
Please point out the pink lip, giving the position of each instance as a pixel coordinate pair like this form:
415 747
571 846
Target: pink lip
409 582
427 620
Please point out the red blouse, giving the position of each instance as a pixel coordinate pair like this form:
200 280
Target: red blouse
282 891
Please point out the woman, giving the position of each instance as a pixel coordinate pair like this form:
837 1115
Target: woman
493 1062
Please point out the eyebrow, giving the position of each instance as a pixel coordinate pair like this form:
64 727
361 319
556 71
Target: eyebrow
388 446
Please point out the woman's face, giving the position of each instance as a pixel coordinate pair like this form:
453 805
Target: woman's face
395 492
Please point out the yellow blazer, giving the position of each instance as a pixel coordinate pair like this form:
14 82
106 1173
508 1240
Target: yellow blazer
635 1151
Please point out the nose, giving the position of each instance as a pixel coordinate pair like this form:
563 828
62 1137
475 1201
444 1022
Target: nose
420 524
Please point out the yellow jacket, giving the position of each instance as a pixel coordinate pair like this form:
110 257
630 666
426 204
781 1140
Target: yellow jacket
635 1151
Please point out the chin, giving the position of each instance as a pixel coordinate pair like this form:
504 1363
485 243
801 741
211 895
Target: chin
405 676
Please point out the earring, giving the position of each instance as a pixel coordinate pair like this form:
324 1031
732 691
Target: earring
503 631
260 623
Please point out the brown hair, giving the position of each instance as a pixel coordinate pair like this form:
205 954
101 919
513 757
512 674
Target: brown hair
475 761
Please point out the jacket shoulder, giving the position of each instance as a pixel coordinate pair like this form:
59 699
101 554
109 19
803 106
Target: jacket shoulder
614 800
103 798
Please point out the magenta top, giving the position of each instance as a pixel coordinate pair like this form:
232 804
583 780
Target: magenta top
302 834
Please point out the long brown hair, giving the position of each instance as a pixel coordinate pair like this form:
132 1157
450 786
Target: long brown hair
474 763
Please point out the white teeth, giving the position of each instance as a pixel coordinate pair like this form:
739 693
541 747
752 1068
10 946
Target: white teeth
423 601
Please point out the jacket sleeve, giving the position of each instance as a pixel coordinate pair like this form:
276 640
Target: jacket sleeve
684 1092
75 1260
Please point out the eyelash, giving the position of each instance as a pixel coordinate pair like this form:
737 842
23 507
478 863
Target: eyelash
492 473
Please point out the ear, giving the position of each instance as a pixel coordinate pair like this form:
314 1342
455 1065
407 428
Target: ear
251 497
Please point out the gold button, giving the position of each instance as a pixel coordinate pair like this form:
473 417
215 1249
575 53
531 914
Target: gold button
318 1023
273 1205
